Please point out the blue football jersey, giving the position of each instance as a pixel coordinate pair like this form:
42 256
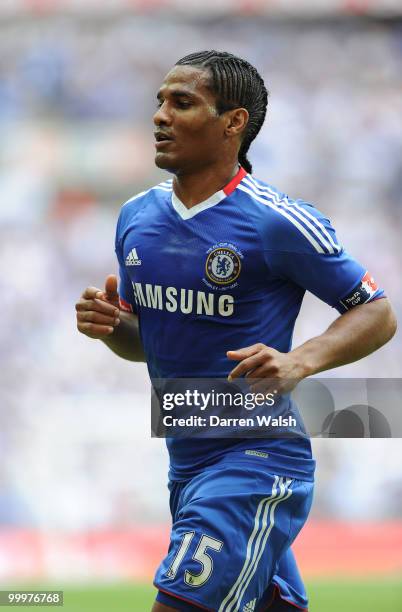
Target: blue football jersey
225 274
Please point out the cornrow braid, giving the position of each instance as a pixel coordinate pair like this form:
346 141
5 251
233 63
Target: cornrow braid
236 83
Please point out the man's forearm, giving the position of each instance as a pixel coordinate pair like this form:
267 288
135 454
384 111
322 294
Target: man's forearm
125 340
349 338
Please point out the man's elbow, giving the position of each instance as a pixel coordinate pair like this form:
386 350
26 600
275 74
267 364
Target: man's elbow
387 319
392 323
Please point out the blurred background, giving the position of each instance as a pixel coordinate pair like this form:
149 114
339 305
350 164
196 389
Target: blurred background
83 495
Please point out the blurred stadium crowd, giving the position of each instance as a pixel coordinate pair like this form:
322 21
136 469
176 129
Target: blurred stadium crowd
76 100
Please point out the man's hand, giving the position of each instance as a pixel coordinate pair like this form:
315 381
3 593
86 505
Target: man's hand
266 369
352 336
98 311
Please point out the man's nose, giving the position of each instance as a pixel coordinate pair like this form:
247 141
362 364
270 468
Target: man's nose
162 115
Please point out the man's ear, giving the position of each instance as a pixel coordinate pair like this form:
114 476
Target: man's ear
236 122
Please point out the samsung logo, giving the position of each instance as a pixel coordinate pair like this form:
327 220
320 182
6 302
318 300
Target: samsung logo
186 301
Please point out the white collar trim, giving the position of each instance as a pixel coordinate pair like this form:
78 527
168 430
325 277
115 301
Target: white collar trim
187 213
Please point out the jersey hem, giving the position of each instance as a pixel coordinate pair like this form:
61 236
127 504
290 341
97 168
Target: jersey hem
273 464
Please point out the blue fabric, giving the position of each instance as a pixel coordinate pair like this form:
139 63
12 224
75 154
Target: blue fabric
272 602
250 518
282 594
225 277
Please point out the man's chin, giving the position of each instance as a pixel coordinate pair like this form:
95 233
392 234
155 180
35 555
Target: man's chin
165 162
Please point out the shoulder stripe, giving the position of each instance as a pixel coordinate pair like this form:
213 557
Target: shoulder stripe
285 214
138 195
311 221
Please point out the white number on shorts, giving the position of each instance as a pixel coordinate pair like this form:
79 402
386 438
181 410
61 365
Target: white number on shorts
185 543
200 555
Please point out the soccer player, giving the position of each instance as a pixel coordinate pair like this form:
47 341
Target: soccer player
213 268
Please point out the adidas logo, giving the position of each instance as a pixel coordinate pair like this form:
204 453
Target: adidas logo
250 606
132 258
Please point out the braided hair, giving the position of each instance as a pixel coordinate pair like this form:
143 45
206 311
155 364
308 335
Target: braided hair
236 83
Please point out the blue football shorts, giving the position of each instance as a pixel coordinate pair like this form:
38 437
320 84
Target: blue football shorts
233 526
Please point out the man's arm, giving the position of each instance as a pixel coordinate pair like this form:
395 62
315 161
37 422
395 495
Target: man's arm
125 340
99 317
351 337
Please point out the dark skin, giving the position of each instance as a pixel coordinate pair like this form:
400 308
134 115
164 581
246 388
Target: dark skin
204 146
202 153
99 317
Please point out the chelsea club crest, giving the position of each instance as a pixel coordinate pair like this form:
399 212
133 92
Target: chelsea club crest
223 266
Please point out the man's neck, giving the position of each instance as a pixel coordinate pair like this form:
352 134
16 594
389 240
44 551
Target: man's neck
191 189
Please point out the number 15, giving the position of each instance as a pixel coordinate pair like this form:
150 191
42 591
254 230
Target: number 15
200 555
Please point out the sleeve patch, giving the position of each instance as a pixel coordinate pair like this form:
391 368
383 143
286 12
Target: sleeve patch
362 293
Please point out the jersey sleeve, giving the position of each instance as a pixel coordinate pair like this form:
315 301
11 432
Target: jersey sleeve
305 250
127 300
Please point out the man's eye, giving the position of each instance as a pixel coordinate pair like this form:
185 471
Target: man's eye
183 104
179 103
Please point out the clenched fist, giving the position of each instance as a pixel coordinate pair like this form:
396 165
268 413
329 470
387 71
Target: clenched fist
98 311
